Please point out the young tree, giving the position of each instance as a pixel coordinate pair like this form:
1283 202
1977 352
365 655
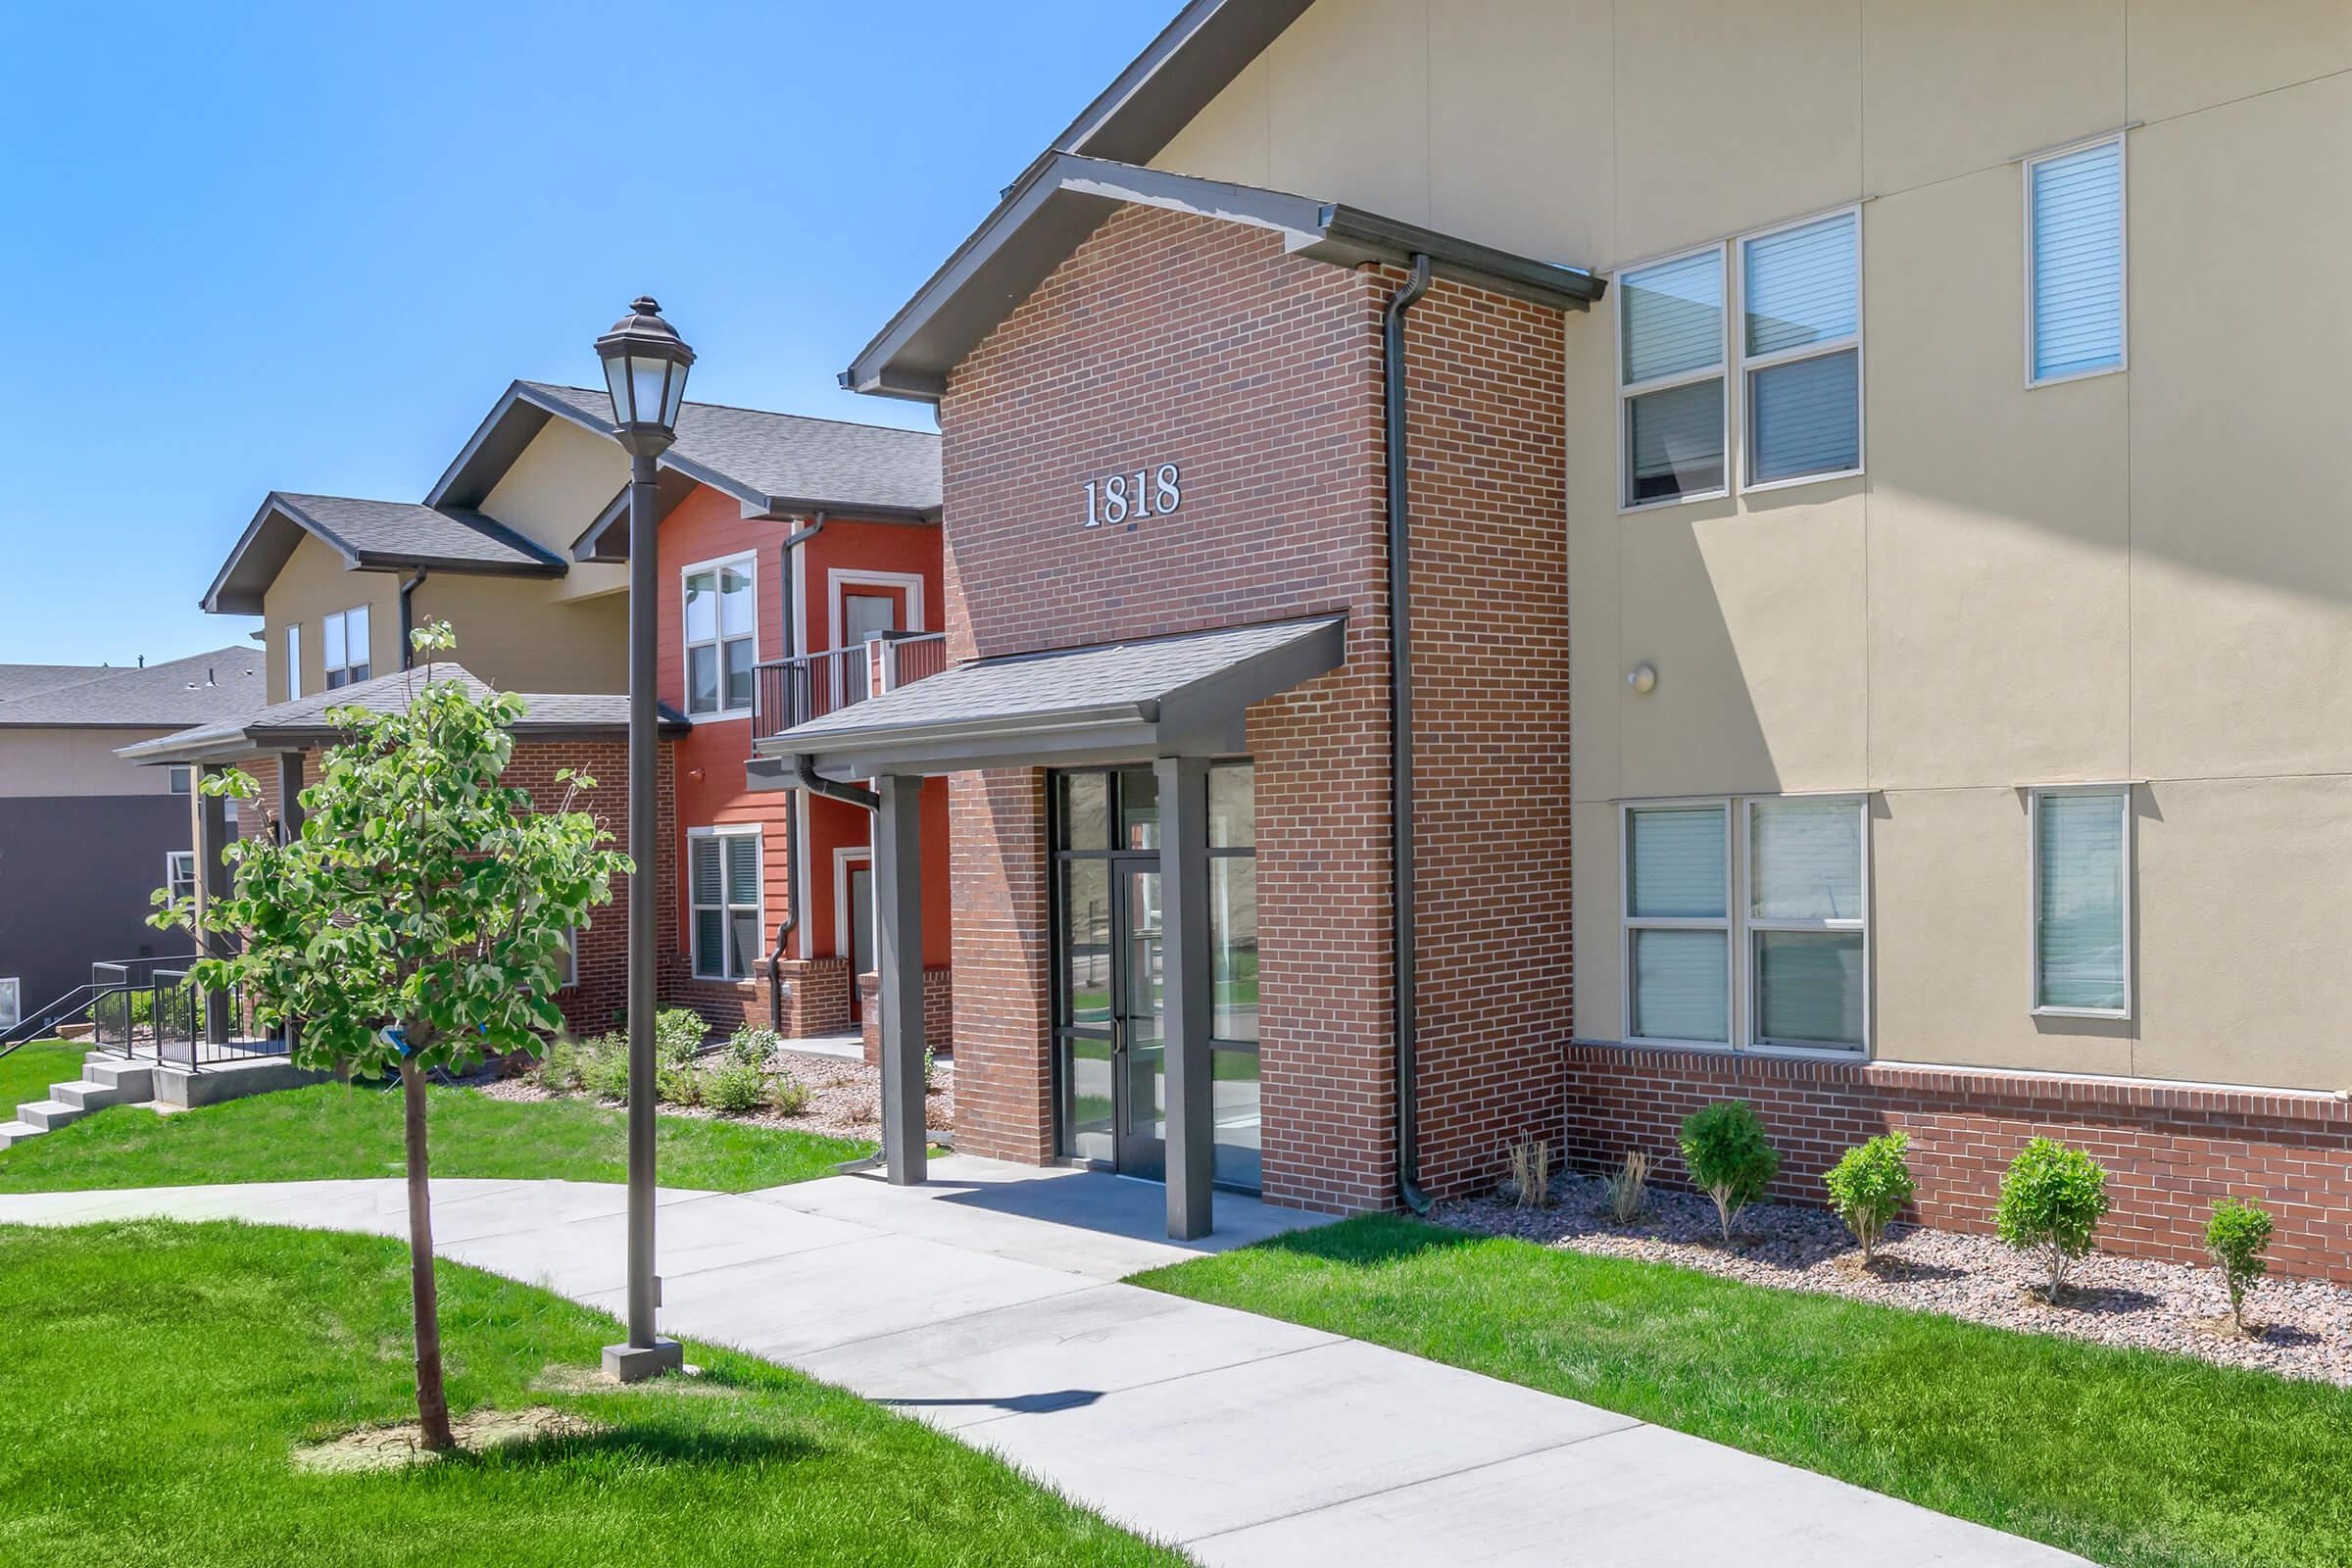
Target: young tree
417 923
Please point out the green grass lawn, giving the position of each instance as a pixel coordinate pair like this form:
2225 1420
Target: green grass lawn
26 1072
332 1131
2133 1460
160 1374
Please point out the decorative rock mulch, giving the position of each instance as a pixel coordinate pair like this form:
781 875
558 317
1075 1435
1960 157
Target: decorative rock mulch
2296 1328
845 1097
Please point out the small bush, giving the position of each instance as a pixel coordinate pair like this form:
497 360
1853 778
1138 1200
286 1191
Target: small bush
787 1096
2236 1236
735 1088
930 1066
604 1069
1531 1173
678 1086
1628 1188
558 1070
2051 1200
678 1033
1729 1156
751 1045
1869 1186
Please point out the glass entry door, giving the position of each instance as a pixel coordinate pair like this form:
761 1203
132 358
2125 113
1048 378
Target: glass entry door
1140 1043
1111 991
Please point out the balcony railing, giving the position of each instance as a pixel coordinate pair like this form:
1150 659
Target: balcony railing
808 686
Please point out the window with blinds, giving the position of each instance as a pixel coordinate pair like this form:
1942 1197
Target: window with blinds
2082 902
1800 347
1746 922
722 878
2075 263
1671 378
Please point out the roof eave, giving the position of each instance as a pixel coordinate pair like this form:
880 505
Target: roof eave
1195 57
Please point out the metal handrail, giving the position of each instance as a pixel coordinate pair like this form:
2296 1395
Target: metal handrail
791 692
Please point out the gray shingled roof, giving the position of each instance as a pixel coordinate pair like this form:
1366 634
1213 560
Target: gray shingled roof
787 459
304 721
402 532
1173 685
222 684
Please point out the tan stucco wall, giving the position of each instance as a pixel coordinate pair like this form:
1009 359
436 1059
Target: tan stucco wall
314 584
35 763
2144 575
554 490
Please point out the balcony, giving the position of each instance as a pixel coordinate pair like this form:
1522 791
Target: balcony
808 686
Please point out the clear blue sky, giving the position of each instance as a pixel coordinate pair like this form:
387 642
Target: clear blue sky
305 247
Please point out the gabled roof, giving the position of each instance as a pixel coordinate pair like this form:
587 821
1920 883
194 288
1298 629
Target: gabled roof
772 463
303 722
221 684
369 536
1062 199
1195 58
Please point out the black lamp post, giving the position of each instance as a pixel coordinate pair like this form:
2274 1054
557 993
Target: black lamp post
644 369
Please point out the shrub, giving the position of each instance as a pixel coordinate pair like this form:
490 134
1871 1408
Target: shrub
1628 1188
751 1045
2051 1200
787 1095
1729 1156
2237 1237
559 1070
735 1088
678 1086
678 1033
605 1067
930 1068
1531 1173
1867 1187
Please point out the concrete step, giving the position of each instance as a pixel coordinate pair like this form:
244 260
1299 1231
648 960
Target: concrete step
133 1081
87 1096
50 1115
16 1132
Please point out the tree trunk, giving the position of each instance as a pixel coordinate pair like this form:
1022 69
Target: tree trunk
432 1401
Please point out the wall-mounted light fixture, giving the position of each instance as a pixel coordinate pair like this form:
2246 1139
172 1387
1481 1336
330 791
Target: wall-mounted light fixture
1643 679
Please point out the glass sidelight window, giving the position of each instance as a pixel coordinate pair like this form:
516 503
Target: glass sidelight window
1111 990
1745 922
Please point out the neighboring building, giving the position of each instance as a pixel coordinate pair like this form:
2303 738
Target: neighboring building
1866 659
85 837
558 732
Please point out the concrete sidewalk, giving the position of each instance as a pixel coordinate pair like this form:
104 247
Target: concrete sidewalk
987 1303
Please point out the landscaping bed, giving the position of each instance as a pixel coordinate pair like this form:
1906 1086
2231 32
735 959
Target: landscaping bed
220 1393
2133 1458
2297 1328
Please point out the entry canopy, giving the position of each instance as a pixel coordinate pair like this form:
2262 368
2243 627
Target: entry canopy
1179 696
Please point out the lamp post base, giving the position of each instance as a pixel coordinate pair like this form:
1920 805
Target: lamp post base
634 1363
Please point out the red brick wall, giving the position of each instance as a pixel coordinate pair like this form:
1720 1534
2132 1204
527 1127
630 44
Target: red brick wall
2171 1151
819 1002
939 1011
997 872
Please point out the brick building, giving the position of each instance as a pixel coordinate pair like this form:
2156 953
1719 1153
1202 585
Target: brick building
1855 705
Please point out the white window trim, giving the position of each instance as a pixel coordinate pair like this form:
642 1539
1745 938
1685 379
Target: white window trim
572 958
1721 371
181 779
1751 991
294 661
326 672
841 578
749 561
12 1010
172 859
723 830
1736 319
1740 978
847 858
2125 793
2123 220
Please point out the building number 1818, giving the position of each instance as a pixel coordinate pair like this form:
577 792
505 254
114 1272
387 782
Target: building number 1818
1128 497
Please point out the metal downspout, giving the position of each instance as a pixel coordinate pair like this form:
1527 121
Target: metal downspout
1400 760
791 922
407 616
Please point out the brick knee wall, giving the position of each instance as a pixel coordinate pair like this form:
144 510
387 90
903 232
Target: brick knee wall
2171 1151
939 1011
818 1000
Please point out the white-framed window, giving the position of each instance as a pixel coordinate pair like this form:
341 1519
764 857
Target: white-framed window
723 889
1671 399
1800 351
2081 894
572 956
1743 357
183 780
1746 922
343 648
179 872
2077 282
723 635
294 661
12 1001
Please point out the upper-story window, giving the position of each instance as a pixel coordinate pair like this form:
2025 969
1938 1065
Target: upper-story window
2075 277
1793 411
722 637
293 661
343 648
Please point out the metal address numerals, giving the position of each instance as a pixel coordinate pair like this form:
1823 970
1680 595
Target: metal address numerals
1154 493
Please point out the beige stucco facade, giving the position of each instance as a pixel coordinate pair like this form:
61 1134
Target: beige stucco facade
39 762
2144 575
531 634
